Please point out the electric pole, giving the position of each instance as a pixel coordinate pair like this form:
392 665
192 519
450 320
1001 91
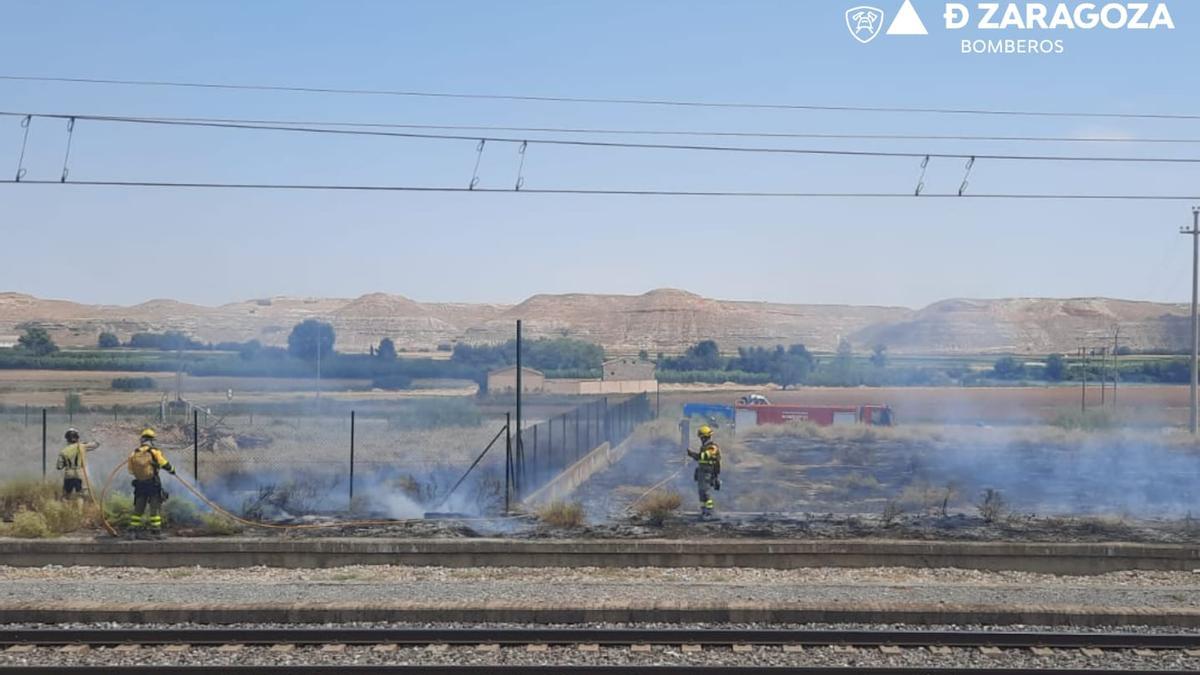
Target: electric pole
1194 233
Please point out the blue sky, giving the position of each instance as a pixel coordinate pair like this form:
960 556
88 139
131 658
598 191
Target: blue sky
124 246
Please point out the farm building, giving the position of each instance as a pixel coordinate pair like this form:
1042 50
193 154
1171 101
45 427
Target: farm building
505 380
628 369
619 376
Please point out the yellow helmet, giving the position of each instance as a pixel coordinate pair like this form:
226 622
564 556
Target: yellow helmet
149 433
704 431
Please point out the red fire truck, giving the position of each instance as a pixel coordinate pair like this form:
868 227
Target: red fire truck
746 416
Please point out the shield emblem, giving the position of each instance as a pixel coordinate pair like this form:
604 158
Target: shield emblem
865 23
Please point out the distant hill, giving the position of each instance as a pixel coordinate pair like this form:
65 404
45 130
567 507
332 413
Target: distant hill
665 320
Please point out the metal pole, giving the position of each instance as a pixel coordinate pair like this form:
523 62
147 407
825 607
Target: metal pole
43 442
1195 234
578 440
520 444
351 458
508 472
196 445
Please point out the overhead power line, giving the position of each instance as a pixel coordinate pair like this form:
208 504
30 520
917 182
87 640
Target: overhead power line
615 144
607 101
656 132
603 192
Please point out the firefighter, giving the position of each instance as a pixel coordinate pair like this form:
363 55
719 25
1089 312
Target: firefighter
144 464
72 461
708 470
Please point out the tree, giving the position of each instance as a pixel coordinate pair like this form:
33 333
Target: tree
643 355
108 341
1056 368
37 342
387 350
1008 368
879 357
308 337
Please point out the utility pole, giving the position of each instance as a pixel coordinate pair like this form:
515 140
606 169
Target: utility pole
1103 376
1194 233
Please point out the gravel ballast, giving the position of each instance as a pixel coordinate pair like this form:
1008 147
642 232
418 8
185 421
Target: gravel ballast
533 586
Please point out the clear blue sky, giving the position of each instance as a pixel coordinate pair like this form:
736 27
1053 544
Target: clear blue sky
125 246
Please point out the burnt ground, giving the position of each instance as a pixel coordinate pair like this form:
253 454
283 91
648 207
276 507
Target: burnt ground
896 485
1056 488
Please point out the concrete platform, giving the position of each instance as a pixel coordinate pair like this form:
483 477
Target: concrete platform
1069 559
414 612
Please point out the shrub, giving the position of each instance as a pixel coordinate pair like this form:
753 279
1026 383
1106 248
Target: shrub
218 526
561 514
180 513
21 495
61 517
29 525
991 505
117 508
133 383
656 507
891 511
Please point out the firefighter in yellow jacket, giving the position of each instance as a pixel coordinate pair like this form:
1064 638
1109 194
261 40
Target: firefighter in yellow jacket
708 471
148 495
72 461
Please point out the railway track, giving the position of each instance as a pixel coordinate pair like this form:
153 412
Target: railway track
284 640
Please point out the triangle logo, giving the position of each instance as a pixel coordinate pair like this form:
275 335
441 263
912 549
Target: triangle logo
907 22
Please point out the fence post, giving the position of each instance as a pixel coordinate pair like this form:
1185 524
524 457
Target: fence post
508 472
578 443
196 445
43 443
564 441
536 476
351 458
26 414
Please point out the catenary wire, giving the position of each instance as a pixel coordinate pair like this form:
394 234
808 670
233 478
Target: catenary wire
604 192
601 100
640 146
657 132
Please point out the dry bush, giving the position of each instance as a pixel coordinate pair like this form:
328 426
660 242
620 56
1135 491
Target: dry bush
61 517
28 525
561 514
25 495
991 505
891 511
216 525
658 506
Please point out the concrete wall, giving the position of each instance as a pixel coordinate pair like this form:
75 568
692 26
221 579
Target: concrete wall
599 387
577 474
